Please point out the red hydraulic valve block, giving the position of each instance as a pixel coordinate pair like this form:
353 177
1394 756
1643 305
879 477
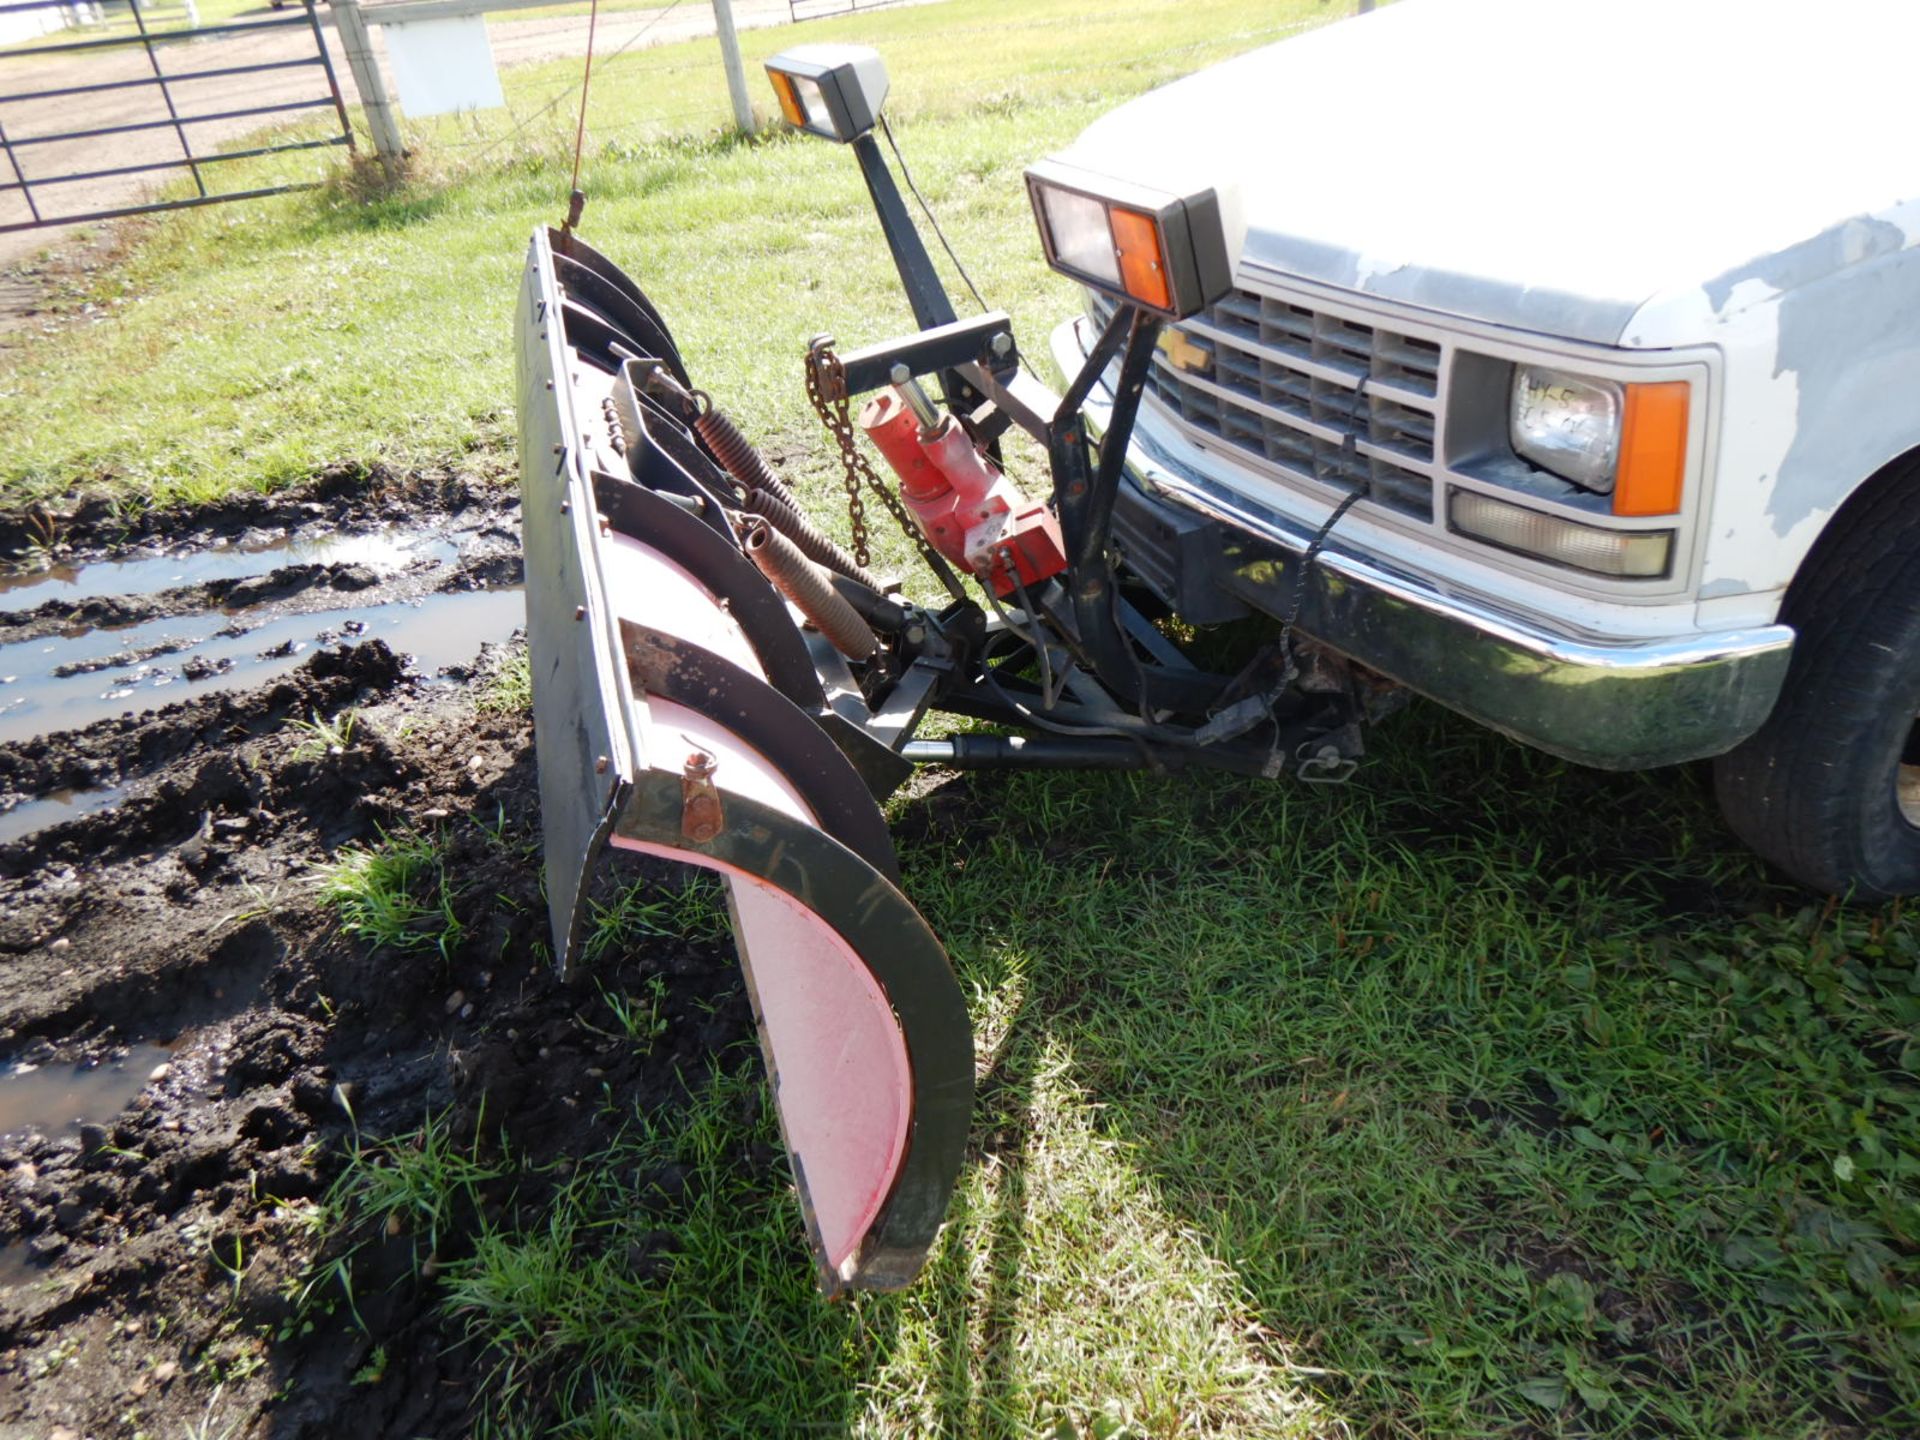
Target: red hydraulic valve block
968 510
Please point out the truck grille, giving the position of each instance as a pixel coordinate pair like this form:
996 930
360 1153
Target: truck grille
1280 384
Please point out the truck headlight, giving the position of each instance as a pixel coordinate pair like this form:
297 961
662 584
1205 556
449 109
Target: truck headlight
1628 441
1568 424
834 91
1168 253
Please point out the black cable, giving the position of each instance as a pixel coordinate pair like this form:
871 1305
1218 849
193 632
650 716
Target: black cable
927 210
1120 725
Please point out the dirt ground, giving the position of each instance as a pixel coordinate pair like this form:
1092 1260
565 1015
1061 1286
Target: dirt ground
168 973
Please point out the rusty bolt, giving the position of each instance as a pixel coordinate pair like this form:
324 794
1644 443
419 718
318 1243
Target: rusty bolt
579 612
559 449
600 765
566 507
701 817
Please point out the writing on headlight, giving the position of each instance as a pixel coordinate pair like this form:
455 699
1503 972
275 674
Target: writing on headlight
1567 424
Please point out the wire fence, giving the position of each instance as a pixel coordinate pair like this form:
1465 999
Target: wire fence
821 9
714 111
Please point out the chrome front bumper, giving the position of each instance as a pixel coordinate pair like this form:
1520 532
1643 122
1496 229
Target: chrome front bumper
1619 705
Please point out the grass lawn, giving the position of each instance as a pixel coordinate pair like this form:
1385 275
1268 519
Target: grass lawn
250 345
1484 1096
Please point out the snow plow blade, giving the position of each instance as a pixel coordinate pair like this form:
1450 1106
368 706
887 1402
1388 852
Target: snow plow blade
681 711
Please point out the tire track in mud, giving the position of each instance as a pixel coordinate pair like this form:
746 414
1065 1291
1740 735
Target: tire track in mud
163 939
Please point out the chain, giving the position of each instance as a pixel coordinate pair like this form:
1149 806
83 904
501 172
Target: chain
827 390
840 424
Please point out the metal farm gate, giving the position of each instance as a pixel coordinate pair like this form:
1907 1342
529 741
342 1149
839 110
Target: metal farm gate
87 123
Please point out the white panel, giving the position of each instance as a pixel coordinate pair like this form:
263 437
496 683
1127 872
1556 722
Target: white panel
443 66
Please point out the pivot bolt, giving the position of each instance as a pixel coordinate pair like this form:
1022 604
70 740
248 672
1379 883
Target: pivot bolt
701 817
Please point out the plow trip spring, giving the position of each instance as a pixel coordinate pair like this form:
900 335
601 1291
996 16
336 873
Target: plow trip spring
717 682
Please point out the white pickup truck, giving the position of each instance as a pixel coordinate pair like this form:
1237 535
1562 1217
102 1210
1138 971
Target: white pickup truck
1613 313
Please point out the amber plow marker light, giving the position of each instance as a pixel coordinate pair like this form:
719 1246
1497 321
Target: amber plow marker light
833 91
1168 253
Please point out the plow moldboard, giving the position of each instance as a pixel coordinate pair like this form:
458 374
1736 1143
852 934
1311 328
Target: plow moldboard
677 715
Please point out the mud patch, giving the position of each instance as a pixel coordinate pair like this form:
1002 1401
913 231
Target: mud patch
386 549
149 1265
67 684
84 528
161 879
106 638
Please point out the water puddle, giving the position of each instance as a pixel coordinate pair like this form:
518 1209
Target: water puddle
389 549
62 684
59 1099
17 1267
54 809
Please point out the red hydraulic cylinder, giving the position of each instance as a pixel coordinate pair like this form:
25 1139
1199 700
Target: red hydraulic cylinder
970 512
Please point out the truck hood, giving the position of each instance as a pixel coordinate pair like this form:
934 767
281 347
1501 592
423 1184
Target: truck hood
1610 172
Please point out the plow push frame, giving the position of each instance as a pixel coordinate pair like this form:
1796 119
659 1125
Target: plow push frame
717 683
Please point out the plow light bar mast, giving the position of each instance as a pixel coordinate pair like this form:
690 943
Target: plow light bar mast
835 92
719 682
1160 254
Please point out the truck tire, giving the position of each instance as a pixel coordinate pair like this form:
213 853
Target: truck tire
1829 788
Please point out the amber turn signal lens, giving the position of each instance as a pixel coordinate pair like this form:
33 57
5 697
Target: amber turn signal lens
789 102
1143 273
1653 450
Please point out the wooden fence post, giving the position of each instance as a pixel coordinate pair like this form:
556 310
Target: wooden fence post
736 73
365 65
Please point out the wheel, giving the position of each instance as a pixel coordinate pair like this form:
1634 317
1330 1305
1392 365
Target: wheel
1829 788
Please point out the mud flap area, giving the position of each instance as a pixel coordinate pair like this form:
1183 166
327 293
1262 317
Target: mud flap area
680 711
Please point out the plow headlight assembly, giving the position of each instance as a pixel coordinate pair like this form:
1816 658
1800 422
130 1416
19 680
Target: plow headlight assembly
1168 253
1627 554
1624 440
834 91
